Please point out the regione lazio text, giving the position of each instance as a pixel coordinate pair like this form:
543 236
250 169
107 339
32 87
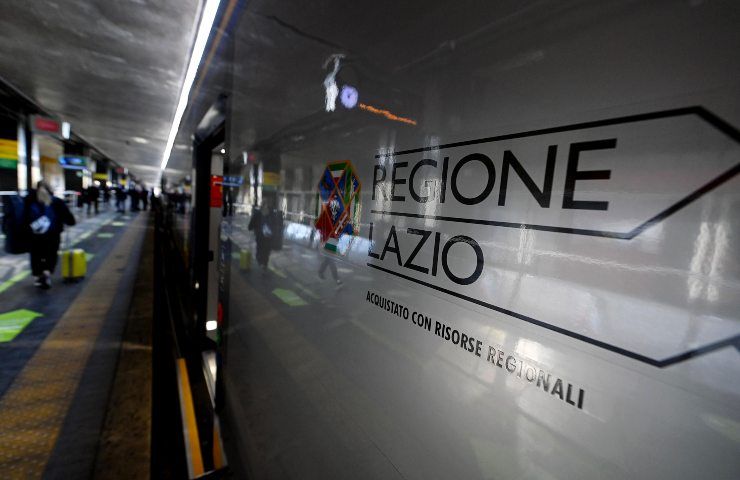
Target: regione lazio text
519 268
409 240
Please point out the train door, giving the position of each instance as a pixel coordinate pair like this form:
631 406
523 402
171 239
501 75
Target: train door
207 205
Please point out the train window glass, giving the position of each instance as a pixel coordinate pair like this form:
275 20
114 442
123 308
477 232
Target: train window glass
489 241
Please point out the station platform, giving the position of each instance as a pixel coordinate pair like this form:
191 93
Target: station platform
75 360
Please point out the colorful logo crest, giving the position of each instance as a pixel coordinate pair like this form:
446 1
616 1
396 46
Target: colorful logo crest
338 219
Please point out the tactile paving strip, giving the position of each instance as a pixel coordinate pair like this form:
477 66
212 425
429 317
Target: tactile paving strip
34 406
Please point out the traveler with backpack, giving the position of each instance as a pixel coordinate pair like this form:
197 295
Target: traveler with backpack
45 216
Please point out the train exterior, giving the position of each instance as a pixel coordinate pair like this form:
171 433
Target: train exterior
502 238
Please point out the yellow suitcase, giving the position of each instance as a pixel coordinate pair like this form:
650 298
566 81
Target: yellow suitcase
245 260
74 264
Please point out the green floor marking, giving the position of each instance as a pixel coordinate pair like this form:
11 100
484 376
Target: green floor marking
105 235
13 323
82 237
88 257
118 224
277 272
13 280
289 297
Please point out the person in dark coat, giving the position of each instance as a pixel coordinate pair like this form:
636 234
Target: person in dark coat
93 197
106 196
120 200
45 216
134 194
264 223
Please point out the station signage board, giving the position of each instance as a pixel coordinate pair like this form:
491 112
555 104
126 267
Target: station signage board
8 153
270 180
46 125
74 162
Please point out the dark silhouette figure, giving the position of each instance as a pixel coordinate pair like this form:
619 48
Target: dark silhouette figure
267 226
93 194
134 194
45 216
106 197
120 200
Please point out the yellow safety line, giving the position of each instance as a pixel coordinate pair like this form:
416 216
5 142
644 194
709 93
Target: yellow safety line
35 405
218 461
188 416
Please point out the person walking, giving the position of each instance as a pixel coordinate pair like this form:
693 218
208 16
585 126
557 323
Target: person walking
120 200
134 194
45 216
264 223
93 197
106 196
144 195
330 263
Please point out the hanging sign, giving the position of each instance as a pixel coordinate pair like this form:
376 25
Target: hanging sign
48 125
74 162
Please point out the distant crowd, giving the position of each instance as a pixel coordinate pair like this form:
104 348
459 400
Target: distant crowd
139 198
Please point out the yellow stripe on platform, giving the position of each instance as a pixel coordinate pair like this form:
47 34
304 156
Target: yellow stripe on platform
33 408
219 457
189 426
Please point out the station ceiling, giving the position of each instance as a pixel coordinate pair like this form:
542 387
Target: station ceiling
113 69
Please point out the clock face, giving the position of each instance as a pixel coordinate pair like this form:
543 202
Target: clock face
348 96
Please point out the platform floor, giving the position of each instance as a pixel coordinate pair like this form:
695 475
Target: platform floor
60 350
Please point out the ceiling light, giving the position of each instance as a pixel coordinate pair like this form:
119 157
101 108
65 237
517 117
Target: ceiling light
201 39
348 95
223 150
139 140
211 325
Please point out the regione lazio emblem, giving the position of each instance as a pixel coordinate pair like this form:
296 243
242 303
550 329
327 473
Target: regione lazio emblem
338 219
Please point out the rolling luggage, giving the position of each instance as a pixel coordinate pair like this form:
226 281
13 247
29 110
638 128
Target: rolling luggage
74 262
245 260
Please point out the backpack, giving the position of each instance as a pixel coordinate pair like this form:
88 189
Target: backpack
14 227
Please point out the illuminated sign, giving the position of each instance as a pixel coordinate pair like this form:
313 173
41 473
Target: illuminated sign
270 180
73 162
45 125
233 181
8 153
66 130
